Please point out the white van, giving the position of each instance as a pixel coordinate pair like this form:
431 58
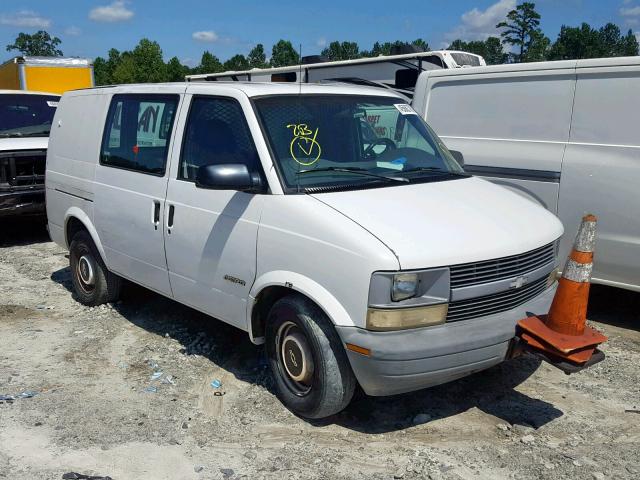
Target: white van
266 207
563 134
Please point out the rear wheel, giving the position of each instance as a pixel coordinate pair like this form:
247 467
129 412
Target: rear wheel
310 367
93 284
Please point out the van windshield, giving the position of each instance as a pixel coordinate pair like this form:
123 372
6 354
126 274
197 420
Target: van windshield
23 115
329 142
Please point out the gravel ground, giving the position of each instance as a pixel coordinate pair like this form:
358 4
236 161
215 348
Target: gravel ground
100 410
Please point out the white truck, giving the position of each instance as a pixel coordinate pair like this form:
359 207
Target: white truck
25 121
268 206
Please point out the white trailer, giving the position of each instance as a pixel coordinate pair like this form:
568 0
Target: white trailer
399 72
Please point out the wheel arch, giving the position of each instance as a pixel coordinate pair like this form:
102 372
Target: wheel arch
272 286
76 220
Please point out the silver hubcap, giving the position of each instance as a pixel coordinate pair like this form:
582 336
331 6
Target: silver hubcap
295 357
85 271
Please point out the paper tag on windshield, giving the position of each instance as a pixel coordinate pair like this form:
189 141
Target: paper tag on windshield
52 104
405 109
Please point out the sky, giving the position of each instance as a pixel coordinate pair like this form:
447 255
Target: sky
186 28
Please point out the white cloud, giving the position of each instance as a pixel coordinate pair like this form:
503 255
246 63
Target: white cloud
630 11
114 12
479 24
26 19
207 36
72 31
321 42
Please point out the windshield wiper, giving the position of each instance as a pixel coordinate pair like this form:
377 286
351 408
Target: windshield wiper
434 170
356 170
36 134
28 134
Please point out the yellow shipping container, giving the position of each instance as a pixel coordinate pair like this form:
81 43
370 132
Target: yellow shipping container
46 74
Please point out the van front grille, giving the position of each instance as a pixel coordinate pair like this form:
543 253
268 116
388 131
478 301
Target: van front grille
495 303
468 274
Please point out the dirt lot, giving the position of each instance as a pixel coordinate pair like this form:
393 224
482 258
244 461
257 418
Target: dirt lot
94 412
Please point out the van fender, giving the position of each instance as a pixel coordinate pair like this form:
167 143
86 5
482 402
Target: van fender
79 214
304 285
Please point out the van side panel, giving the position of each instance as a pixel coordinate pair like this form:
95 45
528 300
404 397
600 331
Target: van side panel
71 161
603 156
503 129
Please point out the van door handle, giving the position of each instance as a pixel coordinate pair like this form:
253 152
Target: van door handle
156 214
172 210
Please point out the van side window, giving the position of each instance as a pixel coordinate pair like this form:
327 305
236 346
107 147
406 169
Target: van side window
137 132
216 133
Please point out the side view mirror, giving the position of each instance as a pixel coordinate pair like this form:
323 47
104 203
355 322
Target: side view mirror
458 156
228 176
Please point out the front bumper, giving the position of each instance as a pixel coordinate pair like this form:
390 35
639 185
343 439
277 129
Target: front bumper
408 360
22 202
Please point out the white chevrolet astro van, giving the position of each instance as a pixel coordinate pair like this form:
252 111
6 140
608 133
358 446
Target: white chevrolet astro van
355 255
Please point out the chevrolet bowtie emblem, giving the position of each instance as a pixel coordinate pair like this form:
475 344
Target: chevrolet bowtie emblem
519 282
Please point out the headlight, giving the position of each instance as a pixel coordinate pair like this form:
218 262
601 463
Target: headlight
405 285
403 318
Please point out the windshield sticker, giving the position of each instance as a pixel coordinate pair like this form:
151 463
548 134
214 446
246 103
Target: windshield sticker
304 148
405 109
52 104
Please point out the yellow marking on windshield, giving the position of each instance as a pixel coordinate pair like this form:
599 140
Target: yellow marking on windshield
305 143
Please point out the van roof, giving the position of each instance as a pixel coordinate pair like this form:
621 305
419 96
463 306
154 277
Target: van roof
536 66
251 89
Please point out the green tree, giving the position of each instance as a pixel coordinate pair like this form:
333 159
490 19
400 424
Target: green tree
175 70
150 66
538 49
100 74
341 51
521 30
125 70
494 53
103 70
629 45
587 42
386 47
39 44
421 43
257 57
209 63
283 54
237 62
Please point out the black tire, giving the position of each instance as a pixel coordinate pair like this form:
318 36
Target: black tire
86 264
330 386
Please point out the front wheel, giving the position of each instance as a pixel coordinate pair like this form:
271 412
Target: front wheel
310 367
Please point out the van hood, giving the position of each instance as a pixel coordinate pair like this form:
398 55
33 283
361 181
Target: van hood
448 222
25 143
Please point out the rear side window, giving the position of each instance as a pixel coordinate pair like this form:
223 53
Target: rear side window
216 133
137 132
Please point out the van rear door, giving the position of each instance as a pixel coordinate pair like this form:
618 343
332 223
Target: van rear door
601 169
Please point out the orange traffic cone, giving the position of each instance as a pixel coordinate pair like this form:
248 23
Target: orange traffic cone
562 335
